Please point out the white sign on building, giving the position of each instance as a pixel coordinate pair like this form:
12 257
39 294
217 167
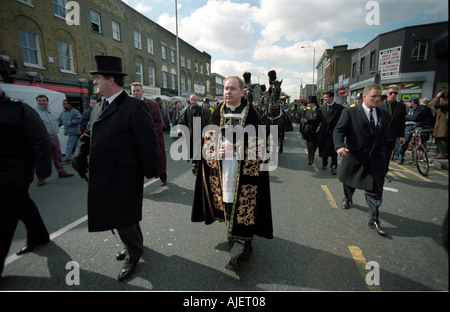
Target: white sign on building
389 63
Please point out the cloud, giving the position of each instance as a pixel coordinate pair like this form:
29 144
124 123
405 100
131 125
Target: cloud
219 25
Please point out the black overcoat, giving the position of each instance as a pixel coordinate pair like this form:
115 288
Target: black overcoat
328 123
122 147
396 126
364 167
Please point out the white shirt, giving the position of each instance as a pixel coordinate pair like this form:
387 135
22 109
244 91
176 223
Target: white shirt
374 113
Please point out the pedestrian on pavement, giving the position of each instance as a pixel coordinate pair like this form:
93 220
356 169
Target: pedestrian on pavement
416 118
28 150
396 127
231 186
331 112
138 92
360 138
311 123
122 148
187 116
70 118
86 116
207 105
440 132
50 120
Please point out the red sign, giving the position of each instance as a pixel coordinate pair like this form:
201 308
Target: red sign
341 91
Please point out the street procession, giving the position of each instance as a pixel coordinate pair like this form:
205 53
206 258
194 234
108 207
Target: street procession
141 153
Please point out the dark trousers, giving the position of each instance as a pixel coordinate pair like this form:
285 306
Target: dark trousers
390 146
374 199
15 205
133 240
312 147
333 161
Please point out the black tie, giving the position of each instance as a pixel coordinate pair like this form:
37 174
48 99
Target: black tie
105 105
372 121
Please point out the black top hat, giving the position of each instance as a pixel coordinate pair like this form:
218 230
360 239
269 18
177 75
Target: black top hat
312 99
110 65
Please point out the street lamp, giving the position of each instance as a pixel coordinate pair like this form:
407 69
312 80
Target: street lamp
314 65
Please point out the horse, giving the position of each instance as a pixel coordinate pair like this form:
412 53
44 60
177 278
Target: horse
273 113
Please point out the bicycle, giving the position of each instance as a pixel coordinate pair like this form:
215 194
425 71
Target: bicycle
419 151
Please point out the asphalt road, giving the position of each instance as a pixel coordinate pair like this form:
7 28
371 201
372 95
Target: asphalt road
317 245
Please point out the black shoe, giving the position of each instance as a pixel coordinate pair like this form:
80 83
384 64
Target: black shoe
387 178
346 203
377 227
127 270
233 263
29 248
194 170
310 162
333 171
163 182
121 255
324 167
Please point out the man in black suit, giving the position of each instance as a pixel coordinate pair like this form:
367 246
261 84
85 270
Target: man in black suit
331 112
311 122
396 126
25 147
122 147
360 138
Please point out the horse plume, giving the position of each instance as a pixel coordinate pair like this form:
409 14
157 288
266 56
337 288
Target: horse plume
272 75
247 77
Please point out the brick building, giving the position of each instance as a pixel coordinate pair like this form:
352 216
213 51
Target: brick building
54 47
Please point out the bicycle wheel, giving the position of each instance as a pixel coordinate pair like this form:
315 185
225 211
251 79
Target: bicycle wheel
422 160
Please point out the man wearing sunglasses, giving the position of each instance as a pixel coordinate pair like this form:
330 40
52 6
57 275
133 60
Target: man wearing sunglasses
396 126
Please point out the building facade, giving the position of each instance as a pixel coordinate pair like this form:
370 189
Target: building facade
406 57
53 46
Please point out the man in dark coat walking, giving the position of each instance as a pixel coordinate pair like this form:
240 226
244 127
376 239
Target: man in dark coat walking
25 147
396 126
119 149
311 124
331 112
360 138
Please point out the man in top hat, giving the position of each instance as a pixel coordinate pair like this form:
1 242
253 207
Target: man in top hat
122 149
311 122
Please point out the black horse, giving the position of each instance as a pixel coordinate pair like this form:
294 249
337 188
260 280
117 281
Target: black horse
273 113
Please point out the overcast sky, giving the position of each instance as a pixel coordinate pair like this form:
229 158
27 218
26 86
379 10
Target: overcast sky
260 35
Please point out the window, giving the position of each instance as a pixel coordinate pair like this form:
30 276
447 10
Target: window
151 76
173 75
183 83
116 30
173 56
196 67
165 73
164 52
139 76
65 57
95 22
28 2
189 84
372 60
354 70
59 8
361 65
207 69
29 45
201 68
150 46
137 40
189 63
419 50
182 61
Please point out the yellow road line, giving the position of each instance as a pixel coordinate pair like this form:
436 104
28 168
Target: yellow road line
329 196
441 173
405 169
361 262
